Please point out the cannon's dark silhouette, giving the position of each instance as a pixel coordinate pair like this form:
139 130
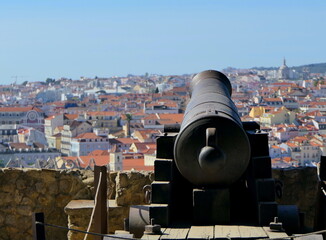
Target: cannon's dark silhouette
213 169
212 148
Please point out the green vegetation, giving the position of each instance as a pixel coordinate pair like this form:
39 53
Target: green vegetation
49 80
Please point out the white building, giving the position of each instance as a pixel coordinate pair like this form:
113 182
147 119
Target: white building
30 135
86 143
51 123
8 133
26 116
116 159
72 130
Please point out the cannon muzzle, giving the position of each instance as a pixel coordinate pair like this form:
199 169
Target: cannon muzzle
212 148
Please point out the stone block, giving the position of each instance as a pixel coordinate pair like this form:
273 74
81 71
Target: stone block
116 215
129 187
24 191
79 212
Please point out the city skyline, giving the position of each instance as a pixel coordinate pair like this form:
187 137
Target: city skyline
106 38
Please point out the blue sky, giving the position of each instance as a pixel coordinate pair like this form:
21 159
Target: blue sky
60 38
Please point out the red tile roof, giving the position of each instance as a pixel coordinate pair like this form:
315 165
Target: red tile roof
136 164
19 145
19 109
88 135
174 117
99 153
71 116
126 140
272 100
102 113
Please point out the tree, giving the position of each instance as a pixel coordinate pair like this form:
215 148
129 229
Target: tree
25 83
49 80
156 90
128 118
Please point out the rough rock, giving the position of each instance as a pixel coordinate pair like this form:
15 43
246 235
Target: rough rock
79 213
300 187
24 191
129 187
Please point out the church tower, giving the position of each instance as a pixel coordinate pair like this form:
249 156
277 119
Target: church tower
284 71
115 159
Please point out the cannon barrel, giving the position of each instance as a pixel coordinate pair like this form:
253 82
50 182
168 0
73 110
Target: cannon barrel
212 148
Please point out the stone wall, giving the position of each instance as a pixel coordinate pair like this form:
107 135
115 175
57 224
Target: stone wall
23 191
300 187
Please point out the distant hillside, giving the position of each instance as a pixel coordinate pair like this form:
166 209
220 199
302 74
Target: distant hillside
313 68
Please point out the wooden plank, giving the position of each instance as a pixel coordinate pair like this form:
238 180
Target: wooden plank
201 232
252 232
226 231
153 237
175 233
274 234
311 237
101 208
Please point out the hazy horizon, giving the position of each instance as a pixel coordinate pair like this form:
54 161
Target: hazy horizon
41 39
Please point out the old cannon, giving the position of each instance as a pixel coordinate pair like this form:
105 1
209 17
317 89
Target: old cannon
212 147
213 169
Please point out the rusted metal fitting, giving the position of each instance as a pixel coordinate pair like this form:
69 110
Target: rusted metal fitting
148 193
276 225
152 229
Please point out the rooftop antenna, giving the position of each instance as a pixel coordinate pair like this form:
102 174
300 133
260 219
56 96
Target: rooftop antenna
16 78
